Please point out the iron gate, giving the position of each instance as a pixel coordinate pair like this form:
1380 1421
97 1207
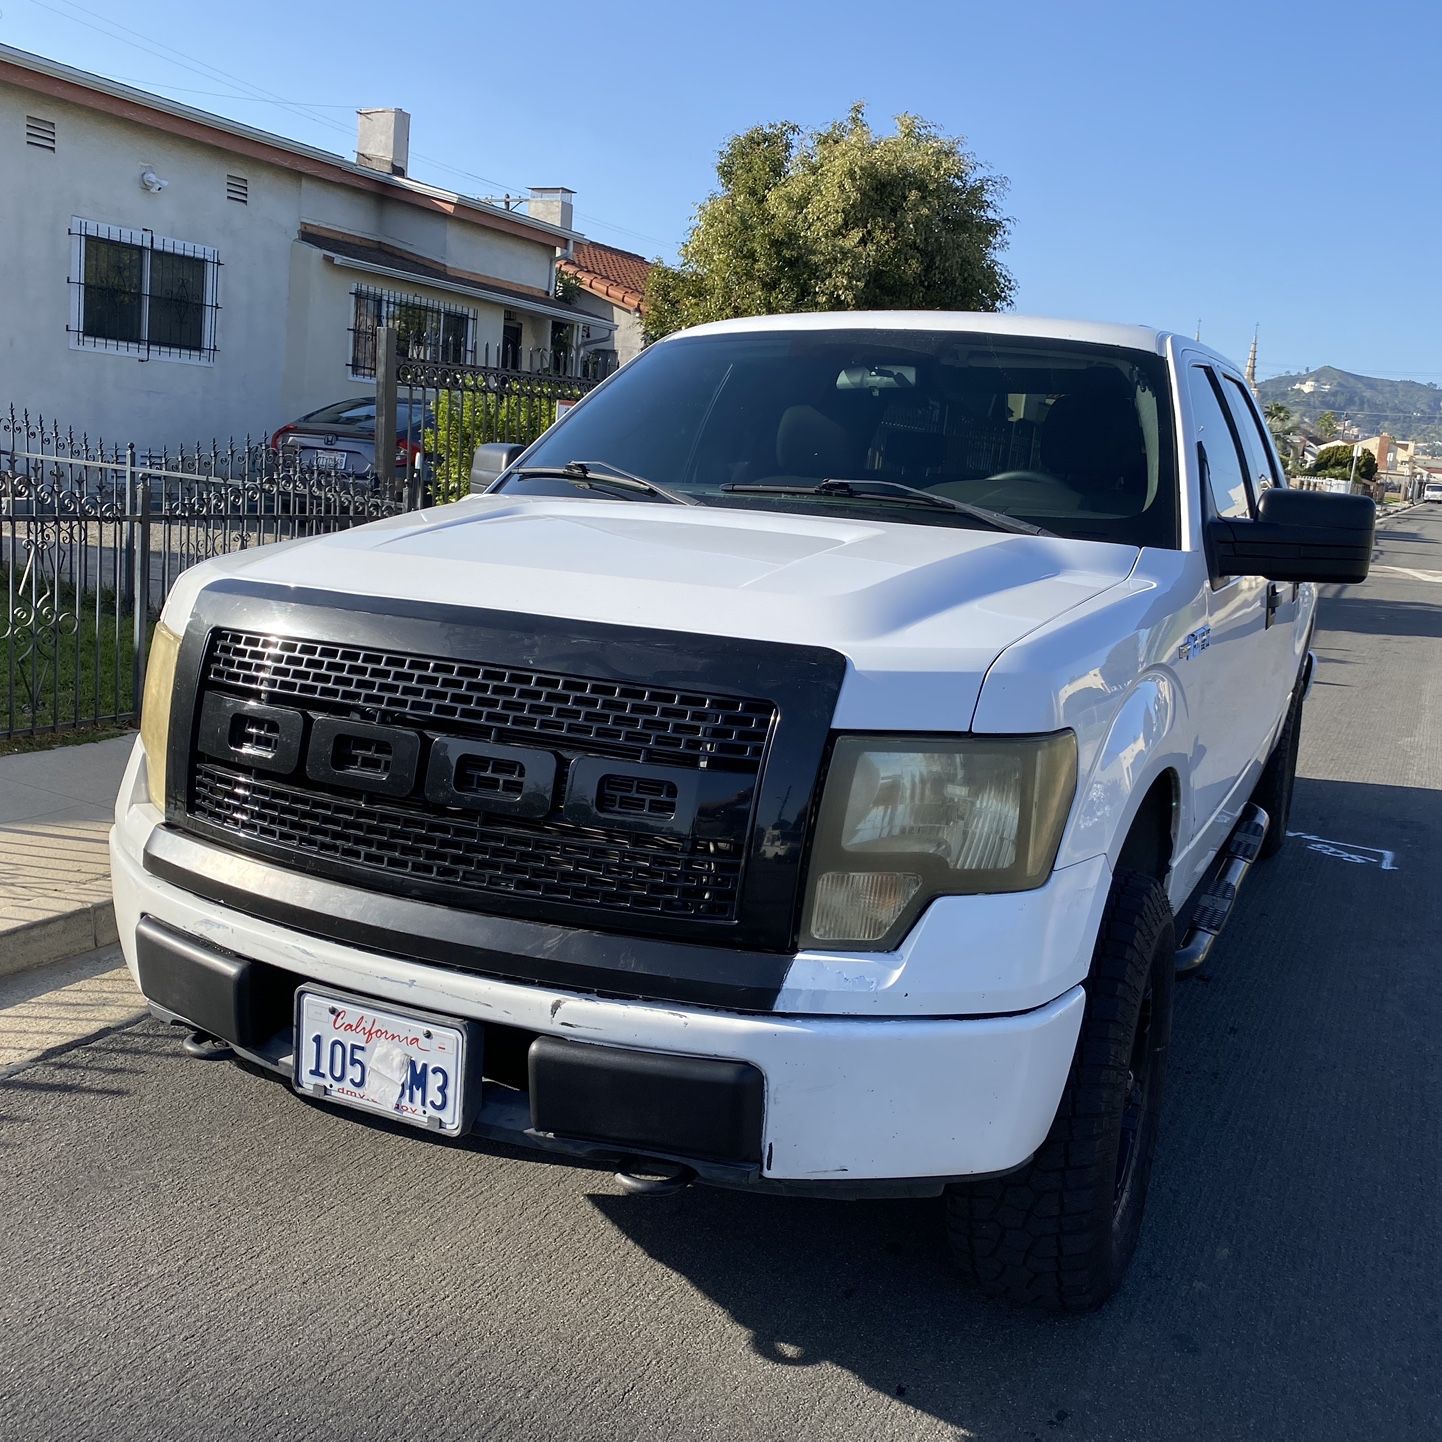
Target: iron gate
93 537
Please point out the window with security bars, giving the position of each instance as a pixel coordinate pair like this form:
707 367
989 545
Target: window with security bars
425 329
138 293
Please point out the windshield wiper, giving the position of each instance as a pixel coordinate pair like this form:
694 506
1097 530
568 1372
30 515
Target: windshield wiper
602 473
894 493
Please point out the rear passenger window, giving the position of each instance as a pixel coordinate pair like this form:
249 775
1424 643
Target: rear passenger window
1225 466
1260 470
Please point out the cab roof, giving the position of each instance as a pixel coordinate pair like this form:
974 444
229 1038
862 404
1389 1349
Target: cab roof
1031 327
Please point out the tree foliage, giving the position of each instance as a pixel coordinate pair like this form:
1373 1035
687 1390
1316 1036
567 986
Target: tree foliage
838 219
1327 425
1336 461
467 419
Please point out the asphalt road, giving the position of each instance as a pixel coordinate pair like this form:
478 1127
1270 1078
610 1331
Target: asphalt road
189 1250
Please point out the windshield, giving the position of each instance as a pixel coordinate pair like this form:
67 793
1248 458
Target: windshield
1074 438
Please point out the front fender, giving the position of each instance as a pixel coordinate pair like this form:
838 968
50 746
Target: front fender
1141 744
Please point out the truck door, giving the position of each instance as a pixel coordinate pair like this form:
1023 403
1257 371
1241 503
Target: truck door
1234 720
1284 635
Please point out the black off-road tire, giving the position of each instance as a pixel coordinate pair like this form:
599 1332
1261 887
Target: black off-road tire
1060 1233
1273 792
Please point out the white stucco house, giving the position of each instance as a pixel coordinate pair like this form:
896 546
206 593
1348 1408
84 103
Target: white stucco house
169 275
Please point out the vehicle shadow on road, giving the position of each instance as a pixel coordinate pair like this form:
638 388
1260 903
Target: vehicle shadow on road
1282 1286
1368 616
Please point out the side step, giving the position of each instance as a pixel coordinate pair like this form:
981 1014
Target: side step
1214 905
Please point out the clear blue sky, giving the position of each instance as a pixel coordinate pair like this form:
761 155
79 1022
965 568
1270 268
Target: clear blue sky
1239 162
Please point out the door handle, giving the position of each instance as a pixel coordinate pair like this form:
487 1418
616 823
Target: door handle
1274 600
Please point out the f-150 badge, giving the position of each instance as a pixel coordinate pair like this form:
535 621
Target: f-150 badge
1195 642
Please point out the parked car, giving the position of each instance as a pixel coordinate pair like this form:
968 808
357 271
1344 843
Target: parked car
1432 491
804 769
342 437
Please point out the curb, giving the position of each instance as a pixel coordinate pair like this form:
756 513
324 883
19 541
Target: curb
58 938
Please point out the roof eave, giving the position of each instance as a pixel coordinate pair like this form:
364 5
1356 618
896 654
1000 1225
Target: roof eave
21 63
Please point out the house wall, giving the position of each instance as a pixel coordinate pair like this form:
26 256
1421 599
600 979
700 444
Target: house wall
282 332
94 174
321 311
629 339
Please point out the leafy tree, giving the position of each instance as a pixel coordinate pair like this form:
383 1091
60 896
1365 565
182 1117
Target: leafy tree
1279 422
1327 425
1336 461
838 219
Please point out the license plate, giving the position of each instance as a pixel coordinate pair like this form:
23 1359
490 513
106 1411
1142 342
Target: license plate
329 460
408 1066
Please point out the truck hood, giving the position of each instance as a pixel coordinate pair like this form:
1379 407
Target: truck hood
920 612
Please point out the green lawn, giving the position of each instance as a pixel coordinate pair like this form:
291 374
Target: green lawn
68 687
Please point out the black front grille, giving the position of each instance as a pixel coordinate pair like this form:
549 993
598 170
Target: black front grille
628 857
500 703
547 862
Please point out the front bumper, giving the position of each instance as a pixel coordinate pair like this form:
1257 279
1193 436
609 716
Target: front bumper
846 1103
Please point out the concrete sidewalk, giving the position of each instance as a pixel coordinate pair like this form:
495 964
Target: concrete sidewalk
55 810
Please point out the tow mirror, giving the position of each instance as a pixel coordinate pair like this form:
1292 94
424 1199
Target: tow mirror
490 462
1297 536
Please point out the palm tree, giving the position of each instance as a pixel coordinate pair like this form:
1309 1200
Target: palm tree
1279 417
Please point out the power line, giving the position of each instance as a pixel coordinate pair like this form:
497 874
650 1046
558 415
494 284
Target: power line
225 94
261 95
184 61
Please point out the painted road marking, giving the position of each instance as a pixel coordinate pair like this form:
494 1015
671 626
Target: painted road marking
1345 851
1434 576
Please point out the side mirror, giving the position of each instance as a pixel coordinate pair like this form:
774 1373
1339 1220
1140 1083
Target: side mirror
1297 536
490 462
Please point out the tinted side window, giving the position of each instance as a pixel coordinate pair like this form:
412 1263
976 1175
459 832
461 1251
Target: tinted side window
1224 461
1260 469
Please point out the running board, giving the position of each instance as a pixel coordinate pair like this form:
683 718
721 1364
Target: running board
1214 905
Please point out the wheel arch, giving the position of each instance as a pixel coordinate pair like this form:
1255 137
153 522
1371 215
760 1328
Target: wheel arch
1150 840
1131 799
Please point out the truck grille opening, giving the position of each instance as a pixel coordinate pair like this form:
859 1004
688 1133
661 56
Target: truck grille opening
543 862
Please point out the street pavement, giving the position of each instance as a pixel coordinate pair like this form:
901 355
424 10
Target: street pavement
189 1250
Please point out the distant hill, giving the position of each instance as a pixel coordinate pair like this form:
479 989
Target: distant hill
1408 410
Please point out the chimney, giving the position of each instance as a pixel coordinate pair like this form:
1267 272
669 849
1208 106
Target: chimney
383 140
554 204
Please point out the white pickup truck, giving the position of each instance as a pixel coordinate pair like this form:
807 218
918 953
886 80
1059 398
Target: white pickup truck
804 768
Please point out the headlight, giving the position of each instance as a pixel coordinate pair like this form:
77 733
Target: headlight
904 820
155 708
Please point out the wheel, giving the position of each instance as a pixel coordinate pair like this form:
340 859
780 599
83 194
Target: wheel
1060 1233
1274 787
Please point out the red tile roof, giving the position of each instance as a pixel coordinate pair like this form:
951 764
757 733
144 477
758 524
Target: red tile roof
615 275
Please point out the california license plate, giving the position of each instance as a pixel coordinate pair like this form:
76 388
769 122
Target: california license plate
329 460
405 1065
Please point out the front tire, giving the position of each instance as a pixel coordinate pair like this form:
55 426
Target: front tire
1278 780
1060 1233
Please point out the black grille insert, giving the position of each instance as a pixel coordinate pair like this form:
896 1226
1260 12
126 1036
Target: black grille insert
254 733
490 776
636 796
547 861
363 754
500 703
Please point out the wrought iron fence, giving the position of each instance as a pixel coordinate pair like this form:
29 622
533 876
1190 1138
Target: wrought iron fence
93 536
445 410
